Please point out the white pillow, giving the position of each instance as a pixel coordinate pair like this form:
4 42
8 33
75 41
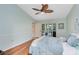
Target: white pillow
75 34
62 39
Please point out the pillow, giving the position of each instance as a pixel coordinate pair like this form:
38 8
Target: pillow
62 39
77 42
73 40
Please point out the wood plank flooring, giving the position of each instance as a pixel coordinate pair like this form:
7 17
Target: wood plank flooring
22 49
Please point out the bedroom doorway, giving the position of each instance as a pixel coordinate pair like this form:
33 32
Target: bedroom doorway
50 29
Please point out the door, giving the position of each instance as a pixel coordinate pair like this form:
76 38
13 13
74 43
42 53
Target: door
50 29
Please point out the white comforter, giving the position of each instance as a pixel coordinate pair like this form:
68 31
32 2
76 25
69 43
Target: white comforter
46 46
67 49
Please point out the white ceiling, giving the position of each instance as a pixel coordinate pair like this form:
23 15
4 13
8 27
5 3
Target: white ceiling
60 11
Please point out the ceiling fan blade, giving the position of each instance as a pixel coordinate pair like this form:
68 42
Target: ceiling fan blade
35 9
42 4
48 11
37 13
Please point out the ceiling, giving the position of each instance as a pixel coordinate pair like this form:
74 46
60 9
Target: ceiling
60 11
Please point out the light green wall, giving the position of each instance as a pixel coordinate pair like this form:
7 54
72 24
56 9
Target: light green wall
74 13
15 26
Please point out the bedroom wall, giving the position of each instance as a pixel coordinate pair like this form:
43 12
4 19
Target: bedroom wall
60 32
15 26
72 16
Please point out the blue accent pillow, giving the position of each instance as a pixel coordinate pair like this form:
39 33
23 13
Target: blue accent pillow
73 41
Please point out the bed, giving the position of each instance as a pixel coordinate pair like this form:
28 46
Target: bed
46 45
68 50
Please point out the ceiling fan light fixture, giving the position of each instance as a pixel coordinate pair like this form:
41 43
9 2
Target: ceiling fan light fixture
44 9
42 12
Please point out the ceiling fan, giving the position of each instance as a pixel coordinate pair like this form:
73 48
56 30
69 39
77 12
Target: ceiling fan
44 9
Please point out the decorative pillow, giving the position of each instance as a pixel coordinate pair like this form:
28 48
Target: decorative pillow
62 39
73 40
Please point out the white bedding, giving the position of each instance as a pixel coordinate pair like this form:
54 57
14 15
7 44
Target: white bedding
46 45
68 50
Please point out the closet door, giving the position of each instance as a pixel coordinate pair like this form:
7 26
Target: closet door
37 30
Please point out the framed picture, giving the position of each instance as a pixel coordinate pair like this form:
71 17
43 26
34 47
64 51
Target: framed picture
76 25
61 26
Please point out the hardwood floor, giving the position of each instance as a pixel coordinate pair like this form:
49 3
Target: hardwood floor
22 49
